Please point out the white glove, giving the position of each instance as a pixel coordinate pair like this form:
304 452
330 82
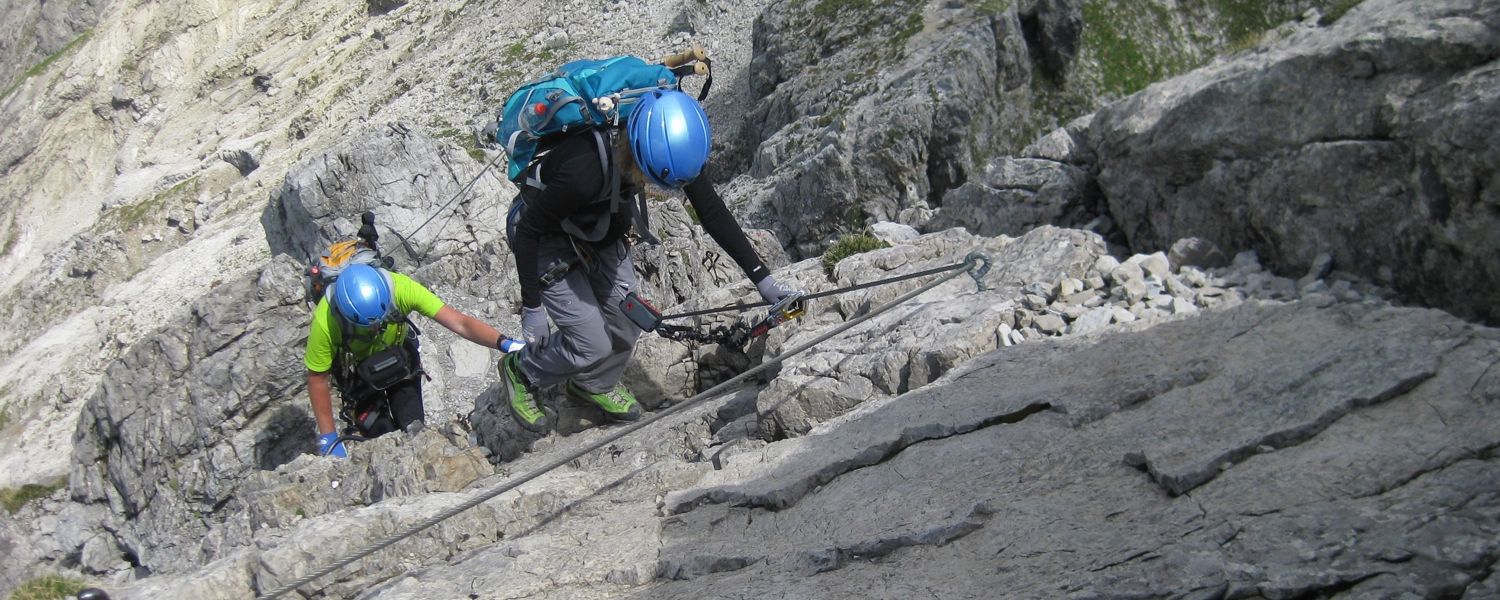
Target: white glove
771 290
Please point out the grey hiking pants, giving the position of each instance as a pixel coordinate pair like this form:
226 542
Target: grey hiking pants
591 338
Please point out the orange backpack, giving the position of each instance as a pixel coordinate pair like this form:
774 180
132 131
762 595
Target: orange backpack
323 271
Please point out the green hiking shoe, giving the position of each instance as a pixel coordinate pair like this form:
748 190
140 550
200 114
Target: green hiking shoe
618 404
521 396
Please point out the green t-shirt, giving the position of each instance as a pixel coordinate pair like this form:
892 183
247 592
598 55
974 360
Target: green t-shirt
409 295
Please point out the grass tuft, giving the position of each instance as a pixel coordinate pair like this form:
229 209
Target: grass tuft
48 587
42 67
15 498
850 245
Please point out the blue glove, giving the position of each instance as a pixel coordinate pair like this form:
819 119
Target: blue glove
771 290
534 324
508 345
327 447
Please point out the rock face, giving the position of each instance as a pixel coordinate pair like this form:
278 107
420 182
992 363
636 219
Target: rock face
406 179
1167 419
1214 449
1367 140
1208 454
182 419
842 143
30 32
917 112
1014 195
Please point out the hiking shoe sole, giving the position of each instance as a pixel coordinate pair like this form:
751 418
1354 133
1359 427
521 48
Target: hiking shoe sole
619 404
520 398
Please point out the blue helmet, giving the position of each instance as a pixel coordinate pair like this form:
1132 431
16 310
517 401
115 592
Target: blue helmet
670 137
362 296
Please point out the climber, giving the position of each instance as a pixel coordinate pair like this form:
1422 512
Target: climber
360 334
574 263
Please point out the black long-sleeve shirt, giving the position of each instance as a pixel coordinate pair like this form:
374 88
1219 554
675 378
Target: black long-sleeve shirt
575 180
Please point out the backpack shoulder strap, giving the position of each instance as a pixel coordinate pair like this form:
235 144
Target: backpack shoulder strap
642 221
638 207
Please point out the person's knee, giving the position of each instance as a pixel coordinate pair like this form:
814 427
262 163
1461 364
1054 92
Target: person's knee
583 343
591 349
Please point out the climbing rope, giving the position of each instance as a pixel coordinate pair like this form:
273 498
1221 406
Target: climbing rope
933 271
971 263
737 335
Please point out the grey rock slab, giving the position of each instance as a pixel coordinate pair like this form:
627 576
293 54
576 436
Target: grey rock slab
1285 384
1059 510
1011 196
915 343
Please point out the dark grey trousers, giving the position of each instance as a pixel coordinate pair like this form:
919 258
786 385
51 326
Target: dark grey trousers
591 338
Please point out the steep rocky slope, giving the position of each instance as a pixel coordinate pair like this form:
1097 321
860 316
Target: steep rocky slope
1115 409
136 167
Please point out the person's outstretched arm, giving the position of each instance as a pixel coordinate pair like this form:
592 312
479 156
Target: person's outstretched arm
721 225
472 329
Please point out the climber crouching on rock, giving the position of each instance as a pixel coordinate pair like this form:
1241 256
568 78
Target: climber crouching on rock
361 334
574 264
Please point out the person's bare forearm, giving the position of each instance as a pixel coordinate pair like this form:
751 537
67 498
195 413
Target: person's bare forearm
468 327
322 400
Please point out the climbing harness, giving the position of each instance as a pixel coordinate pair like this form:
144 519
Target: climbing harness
972 265
738 334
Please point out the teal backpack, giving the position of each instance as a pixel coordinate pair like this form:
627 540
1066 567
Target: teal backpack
579 94
586 94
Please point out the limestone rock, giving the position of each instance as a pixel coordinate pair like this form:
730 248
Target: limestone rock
1228 154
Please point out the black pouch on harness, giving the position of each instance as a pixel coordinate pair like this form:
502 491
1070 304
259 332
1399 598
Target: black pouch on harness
387 367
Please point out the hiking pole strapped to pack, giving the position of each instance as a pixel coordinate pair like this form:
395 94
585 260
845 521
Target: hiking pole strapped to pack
649 319
367 230
693 61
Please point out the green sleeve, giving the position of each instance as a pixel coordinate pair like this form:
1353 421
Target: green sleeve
319 354
414 297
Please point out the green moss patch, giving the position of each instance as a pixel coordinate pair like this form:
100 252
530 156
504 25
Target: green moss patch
136 214
463 140
1126 65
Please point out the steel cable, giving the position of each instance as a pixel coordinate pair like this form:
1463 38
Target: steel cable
969 263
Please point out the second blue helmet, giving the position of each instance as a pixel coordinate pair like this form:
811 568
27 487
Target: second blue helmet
670 137
362 296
